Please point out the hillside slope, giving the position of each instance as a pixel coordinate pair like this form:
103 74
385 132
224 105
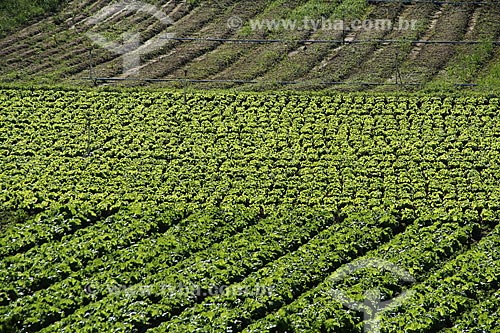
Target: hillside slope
57 48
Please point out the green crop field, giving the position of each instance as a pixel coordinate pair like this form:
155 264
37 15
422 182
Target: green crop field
320 166
150 211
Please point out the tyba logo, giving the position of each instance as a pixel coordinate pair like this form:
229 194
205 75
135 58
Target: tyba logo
131 47
372 305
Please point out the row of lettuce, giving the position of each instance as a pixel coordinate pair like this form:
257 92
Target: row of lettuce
105 149
294 257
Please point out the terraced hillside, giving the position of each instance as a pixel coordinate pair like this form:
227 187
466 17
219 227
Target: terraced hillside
137 211
56 48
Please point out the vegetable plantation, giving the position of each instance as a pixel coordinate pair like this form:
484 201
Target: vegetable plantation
139 211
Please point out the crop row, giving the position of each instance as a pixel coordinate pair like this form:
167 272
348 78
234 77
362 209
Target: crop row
456 286
425 245
438 241
50 262
180 239
248 150
160 264
257 248
482 317
50 226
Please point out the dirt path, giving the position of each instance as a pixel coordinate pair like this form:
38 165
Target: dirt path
428 35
